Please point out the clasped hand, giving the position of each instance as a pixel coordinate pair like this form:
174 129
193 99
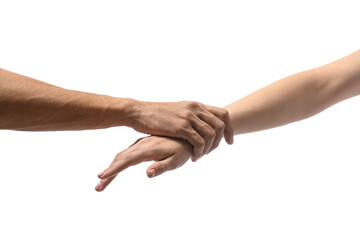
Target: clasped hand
192 129
201 125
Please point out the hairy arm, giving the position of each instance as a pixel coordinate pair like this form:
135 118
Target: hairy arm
288 100
31 105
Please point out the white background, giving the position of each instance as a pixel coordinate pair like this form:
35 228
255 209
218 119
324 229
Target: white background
300 181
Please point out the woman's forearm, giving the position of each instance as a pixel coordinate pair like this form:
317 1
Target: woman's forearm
298 96
29 104
288 100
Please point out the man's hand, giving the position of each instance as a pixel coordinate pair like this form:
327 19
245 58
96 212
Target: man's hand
169 154
201 125
30 105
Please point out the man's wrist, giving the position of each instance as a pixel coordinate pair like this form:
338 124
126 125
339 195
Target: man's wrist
127 110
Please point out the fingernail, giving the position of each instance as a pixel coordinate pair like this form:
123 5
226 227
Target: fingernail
152 172
101 174
98 187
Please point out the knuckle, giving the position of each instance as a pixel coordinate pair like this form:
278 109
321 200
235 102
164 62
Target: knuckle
161 168
211 133
187 114
224 113
184 125
143 140
220 127
125 159
200 142
192 104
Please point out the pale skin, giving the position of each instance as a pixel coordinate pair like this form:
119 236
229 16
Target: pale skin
28 104
288 100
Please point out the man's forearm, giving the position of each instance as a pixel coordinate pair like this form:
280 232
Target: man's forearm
29 104
298 96
32 105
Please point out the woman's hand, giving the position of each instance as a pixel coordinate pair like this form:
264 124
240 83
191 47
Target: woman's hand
168 154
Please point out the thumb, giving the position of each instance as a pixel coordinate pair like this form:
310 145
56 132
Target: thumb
157 169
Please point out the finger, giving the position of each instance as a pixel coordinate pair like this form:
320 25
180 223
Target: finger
216 124
195 140
205 131
224 116
124 160
104 183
